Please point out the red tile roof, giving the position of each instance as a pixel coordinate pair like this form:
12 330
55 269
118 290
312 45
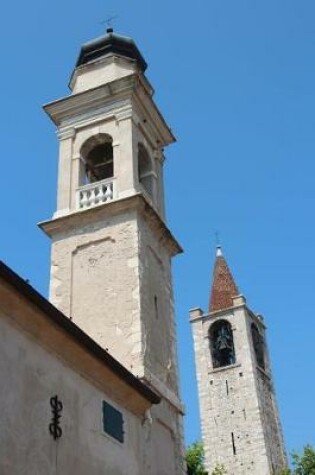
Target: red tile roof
223 286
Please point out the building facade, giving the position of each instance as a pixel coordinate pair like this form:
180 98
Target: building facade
67 406
239 417
111 247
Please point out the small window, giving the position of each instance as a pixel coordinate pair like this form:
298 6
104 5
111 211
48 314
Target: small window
113 422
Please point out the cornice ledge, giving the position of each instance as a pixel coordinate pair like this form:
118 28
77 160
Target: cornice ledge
150 111
154 219
229 310
224 368
219 313
78 103
84 217
159 387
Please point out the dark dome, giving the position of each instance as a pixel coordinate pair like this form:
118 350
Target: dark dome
111 43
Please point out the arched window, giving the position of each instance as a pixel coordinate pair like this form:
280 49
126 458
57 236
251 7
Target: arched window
259 346
97 154
145 170
221 344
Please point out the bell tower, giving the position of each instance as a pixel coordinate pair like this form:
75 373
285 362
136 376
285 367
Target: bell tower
111 247
239 417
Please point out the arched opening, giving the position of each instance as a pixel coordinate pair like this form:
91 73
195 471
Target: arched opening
259 346
145 170
222 344
97 155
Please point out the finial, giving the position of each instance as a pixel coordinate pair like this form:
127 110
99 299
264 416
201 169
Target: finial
219 252
108 22
218 245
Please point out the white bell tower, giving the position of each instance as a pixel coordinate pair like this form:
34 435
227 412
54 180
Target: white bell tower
111 248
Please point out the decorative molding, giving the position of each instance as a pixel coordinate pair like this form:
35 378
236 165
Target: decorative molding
67 133
92 117
76 108
135 202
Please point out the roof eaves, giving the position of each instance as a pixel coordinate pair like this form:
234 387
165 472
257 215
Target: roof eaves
82 338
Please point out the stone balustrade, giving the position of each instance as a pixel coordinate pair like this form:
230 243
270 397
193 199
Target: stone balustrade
95 194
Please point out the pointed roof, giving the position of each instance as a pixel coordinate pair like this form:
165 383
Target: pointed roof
223 286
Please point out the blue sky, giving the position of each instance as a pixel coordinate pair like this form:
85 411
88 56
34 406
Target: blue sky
235 81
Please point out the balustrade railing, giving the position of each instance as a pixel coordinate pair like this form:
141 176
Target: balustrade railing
95 194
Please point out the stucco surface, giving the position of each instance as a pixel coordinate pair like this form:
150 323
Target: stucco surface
94 281
101 72
30 376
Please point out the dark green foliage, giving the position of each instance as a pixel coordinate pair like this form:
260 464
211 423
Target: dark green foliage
195 459
303 464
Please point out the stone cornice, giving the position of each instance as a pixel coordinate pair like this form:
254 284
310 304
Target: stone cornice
82 102
199 315
152 115
136 202
73 108
160 388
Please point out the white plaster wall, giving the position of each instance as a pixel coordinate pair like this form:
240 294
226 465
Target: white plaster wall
30 376
100 72
165 454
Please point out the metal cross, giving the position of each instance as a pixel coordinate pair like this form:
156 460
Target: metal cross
109 21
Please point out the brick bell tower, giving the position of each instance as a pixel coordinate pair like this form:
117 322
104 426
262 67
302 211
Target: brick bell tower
111 247
240 421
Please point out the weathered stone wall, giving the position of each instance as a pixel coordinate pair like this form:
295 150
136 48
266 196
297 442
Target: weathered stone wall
157 308
270 417
159 333
95 281
235 410
113 279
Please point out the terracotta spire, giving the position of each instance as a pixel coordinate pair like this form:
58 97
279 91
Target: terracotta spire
223 285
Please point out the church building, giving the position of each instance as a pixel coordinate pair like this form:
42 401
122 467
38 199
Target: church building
240 422
91 378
